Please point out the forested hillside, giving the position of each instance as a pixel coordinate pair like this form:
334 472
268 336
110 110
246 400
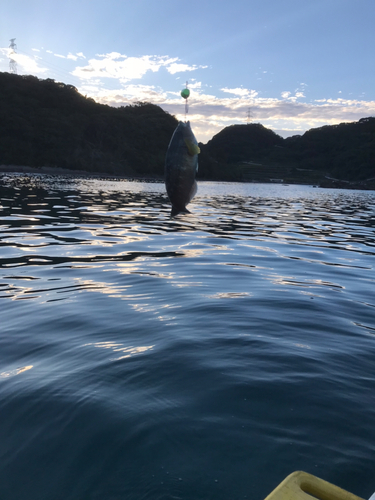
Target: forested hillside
345 151
46 123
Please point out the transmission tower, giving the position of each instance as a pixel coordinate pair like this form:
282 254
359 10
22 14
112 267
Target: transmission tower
12 62
248 115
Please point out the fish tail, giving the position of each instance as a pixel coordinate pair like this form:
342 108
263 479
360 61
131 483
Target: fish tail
175 211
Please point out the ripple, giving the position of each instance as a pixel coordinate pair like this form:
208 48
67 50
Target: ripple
235 343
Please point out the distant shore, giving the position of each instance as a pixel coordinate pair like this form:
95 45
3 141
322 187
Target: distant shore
52 171
368 185
14 169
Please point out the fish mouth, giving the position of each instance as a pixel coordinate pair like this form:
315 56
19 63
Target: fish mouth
185 125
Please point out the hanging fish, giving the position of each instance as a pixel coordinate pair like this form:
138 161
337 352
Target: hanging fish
181 167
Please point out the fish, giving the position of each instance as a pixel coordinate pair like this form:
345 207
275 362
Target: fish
181 167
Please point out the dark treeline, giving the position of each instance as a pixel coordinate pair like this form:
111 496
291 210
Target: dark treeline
44 123
345 152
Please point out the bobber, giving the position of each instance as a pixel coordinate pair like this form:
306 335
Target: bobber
185 93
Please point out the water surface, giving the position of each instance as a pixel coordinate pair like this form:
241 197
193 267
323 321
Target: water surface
202 357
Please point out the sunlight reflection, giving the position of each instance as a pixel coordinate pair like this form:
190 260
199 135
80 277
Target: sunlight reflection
284 280
186 284
111 289
303 346
17 371
229 295
107 236
133 268
128 350
139 302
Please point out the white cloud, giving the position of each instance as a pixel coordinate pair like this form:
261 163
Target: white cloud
181 68
125 69
237 91
126 95
210 114
25 63
288 95
195 85
241 92
121 67
71 56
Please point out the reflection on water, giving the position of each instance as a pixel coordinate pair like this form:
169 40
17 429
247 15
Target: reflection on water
118 348
204 356
17 371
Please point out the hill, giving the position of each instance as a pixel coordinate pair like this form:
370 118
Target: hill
345 152
224 154
44 123
48 123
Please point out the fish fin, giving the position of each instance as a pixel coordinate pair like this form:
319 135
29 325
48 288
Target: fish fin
175 211
193 191
193 148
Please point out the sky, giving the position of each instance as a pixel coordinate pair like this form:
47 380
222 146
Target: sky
289 65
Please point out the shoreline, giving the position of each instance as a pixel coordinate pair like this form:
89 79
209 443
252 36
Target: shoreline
15 169
329 183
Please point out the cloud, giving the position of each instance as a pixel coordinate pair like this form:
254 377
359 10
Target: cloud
125 69
71 56
121 67
194 85
209 114
25 63
181 68
241 92
297 95
116 79
126 95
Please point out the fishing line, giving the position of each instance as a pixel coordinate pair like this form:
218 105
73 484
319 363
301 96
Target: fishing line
185 94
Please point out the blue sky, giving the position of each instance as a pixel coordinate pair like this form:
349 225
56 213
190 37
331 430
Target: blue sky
295 65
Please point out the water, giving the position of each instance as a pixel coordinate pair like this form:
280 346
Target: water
202 357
